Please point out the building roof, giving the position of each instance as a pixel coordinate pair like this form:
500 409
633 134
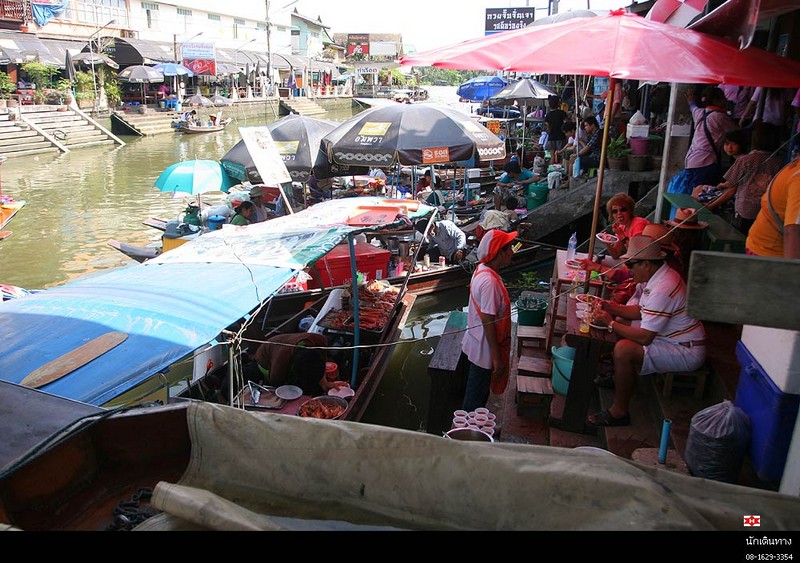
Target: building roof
317 22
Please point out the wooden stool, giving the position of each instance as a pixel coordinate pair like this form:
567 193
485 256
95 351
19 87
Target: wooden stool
530 335
536 392
686 379
537 367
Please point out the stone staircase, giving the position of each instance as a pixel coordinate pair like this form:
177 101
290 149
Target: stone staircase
18 138
302 106
66 126
37 129
151 122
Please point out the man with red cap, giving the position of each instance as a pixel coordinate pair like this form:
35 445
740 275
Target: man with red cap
487 342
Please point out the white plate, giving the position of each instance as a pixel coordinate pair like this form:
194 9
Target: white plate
343 392
574 264
289 392
606 238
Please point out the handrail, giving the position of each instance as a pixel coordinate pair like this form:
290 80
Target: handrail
43 133
96 124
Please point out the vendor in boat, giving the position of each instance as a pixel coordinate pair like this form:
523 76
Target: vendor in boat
294 359
446 239
514 178
257 197
245 214
190 117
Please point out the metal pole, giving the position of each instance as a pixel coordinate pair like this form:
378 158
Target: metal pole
269 47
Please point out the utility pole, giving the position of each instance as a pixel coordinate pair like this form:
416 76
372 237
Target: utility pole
269 49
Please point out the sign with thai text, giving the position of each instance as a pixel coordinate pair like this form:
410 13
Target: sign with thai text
200 58
357 44
506 19
435 155
266 155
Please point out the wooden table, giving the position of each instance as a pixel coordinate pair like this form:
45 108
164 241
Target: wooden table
584 369
563 276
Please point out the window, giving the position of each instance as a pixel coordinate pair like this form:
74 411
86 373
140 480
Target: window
262 26
184 12
151 13
214 17
238 21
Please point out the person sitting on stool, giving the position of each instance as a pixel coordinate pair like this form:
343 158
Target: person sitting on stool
446 239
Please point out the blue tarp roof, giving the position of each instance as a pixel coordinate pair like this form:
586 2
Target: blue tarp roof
168 306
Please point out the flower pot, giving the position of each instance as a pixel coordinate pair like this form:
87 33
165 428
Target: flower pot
616 163
637 163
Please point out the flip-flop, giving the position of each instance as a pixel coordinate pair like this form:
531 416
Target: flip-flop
604 418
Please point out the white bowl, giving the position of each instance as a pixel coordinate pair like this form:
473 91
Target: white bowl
289 392
606 238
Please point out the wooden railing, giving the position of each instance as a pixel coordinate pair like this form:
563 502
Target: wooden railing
12 10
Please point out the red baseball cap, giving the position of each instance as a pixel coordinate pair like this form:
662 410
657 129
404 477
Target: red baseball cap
492 242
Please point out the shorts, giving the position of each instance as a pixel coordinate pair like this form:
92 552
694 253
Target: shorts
555 145
661 356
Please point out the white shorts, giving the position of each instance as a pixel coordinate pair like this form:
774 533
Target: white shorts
661 356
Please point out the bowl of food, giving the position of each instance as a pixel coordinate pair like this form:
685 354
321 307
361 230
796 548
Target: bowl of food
325 407
607 238
586 298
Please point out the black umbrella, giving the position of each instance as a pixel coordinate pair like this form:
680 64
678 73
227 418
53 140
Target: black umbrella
94 59
140 74
411 134
297 138
69 66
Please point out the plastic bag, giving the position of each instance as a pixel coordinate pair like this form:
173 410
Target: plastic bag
718 440
637 119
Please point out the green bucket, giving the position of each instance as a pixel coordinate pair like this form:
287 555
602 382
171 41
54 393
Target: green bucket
531 311
563 358
537 195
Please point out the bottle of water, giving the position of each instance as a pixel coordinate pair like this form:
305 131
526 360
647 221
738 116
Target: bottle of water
572 246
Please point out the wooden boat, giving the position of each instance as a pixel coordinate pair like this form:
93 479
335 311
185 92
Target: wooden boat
192 465
154 331
8 208
184 127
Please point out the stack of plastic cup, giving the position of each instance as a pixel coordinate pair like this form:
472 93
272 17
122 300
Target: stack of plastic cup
479 419
460 419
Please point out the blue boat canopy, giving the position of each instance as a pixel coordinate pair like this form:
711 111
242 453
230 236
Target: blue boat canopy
168 306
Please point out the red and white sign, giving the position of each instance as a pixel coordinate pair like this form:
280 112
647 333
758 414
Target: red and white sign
435 155
752 521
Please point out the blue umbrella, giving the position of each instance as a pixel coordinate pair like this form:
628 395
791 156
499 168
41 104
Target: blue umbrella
194 177
173 69
480 88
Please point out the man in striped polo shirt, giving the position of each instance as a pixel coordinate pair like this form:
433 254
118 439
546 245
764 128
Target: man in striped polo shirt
655 335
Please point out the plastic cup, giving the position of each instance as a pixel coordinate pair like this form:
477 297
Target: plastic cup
481 410
459 422
471 415
491 416
473 426
489 431
480 419
460 412
489 424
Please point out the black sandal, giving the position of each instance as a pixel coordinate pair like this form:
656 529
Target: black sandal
604 418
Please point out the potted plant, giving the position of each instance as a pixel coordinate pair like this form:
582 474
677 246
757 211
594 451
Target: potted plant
41 75
617 152
7 88
84 89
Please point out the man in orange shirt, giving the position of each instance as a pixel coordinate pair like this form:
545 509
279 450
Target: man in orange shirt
776 231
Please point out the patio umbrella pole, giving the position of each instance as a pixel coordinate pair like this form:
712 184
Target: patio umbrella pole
600 173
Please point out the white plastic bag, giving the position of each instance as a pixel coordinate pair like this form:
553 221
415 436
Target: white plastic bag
637 119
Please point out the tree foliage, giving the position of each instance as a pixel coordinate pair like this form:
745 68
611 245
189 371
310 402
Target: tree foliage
444 76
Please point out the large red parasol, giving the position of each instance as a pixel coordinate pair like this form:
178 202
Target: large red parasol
619 45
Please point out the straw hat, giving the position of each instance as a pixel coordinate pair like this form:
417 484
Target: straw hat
686 218
642 247
492 242
661 233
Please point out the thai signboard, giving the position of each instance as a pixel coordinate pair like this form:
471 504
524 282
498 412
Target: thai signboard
357 44
506 19
200 58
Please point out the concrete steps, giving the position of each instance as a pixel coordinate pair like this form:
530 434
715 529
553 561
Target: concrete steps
302 106
18 138
152 122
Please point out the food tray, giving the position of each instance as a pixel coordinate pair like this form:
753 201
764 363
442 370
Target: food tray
328 401
327 323
267 401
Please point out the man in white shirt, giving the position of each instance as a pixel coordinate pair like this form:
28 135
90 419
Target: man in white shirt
665 340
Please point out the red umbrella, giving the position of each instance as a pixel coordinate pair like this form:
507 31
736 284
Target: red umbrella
619 45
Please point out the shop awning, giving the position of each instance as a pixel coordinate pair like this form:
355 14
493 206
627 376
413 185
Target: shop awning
129 51
20 48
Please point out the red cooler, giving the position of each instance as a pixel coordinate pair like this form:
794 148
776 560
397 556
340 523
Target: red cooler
373 262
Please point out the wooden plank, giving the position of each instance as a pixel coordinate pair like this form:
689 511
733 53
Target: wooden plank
529 365
739 289
71 361
536 385
448 351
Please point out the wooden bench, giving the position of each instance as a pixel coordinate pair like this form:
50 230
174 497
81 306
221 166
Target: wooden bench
539 367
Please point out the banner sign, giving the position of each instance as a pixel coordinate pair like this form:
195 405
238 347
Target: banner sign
435 155
200 58
367 70
266 155
505 19
357 44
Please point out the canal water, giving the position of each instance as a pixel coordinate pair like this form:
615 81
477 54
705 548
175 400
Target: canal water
77 201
